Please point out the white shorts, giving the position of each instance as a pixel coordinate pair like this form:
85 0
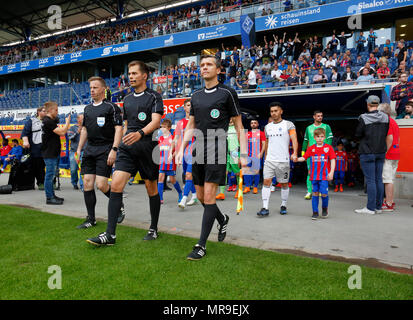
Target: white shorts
389 170
280 170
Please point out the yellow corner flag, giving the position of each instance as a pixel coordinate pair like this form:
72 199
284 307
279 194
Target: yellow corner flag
240 204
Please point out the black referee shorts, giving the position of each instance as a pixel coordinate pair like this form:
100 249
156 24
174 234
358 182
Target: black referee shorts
214 173
138 157
94 160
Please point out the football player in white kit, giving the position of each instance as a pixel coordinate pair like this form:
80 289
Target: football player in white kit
278 134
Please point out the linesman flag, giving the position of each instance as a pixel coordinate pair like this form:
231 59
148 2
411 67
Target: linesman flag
247 22
240 203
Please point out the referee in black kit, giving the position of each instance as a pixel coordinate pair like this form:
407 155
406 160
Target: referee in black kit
102 129
142 112
211 110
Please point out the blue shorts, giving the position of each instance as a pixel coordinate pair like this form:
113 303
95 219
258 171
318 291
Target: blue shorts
320 186
187 167
254 163
168 172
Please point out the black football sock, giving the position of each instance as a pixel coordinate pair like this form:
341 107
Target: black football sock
90 201
115 202
220 216
208 219
107 193
155 207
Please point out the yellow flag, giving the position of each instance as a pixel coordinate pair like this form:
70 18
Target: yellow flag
240 204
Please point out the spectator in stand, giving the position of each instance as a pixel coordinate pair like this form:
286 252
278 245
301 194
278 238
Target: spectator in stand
266 67
386 53
174 91
388 45
365 77
383 71
332 45
186 91
294 80
342 38
252 80
283 66
345 60
330 62
287 5
372 60
391 160
260 87
372 130
367 66
284 76
402 53
410 78
361 40
15 152
402 93
335 76
348 75
371 40
276 73
5 150
401 69
320 77
304 79
408 111
257 75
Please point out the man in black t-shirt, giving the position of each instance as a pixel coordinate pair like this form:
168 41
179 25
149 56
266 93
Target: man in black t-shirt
51 148
211 109
102 129
142 112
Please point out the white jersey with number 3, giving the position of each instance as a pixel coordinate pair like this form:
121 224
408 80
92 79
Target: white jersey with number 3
278 135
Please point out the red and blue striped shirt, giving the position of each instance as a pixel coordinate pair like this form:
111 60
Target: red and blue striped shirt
341 158
165 146
255 139
320 161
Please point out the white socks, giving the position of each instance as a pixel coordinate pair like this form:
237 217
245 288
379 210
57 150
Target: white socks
284 196
266 193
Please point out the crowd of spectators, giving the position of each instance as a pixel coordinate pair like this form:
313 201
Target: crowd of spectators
291 61
111 33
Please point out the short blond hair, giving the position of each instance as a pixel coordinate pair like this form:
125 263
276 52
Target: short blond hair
49 105
101 81
319 132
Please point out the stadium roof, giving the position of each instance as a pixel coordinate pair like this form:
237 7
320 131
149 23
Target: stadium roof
19 16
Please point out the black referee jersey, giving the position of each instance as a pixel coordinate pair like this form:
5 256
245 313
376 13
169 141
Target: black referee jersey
138 109
212 109
100 121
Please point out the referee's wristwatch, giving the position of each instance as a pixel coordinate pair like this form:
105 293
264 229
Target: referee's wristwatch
141 133
115 149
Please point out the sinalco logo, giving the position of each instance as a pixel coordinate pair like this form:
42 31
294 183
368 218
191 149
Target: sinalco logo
25 64
106 51
59 58
11 66
121 49
76 55
381 3
201 36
